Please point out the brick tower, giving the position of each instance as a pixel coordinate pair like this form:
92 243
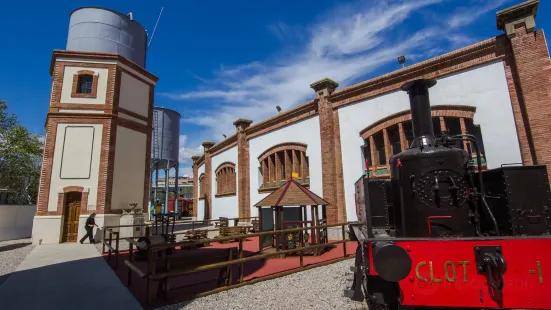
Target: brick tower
98 127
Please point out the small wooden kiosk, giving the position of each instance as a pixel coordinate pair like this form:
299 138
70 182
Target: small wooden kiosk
285 208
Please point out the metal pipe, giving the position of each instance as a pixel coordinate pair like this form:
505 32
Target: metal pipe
167 171
149 193
156 186
418 91
176 192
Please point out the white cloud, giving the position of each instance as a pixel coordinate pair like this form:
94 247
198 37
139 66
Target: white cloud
186 171
466 15
186 152
348 43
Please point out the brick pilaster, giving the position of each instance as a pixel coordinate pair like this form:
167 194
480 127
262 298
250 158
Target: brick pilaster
330 151
531 56
208 179
195 184
243 168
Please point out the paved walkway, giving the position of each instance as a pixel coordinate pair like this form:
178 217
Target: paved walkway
65 276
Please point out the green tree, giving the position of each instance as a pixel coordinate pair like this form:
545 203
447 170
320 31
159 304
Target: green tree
20 158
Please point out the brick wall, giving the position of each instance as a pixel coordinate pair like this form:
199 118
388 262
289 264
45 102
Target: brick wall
533 69
243 168
328 163
208 180
195 184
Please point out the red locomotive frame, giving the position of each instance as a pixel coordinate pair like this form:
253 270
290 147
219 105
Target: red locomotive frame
444 273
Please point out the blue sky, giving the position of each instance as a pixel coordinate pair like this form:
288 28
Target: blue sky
222 60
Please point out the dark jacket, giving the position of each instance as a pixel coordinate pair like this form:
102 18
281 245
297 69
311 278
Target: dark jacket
90 221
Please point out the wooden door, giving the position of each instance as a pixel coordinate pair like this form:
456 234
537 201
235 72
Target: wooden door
71 214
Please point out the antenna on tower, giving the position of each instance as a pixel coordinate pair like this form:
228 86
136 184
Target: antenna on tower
148 44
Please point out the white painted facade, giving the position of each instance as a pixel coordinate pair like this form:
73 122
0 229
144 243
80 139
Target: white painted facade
305 131
129 168
224 206
67 86
76 161
484 87
134 95
48 229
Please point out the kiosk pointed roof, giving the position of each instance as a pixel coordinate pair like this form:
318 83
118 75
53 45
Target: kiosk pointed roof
291 194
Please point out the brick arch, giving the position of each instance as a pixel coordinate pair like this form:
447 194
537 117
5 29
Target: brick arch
68 189
83 199
85 72
226 184
404 116
297 146
279 162
382 137
226 164
202 189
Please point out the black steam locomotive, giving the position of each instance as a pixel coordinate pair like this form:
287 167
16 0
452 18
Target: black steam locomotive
443 232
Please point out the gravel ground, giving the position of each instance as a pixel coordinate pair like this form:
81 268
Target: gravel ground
318 288
12 253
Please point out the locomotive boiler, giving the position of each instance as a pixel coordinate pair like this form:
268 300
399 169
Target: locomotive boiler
442 232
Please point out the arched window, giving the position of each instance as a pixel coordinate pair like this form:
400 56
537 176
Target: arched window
85 84
202 186
225 179
394 134
278 163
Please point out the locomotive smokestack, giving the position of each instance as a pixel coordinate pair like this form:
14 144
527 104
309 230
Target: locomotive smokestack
418 91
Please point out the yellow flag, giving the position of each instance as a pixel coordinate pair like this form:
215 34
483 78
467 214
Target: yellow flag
294 175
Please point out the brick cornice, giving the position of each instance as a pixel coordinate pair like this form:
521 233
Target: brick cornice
282 119
201 160
224 145
100 56
459 60
477 54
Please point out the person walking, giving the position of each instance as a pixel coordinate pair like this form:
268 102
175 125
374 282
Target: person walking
89 226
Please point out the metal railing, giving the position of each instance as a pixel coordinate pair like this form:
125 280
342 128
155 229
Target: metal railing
153 259
109 244
109 231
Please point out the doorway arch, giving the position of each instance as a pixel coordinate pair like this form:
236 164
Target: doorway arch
73 202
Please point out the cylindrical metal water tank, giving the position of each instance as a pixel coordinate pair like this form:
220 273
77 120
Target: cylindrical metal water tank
165 142
95 29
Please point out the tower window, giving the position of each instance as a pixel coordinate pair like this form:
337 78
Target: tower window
85 84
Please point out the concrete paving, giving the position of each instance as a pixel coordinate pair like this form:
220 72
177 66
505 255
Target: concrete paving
65 276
